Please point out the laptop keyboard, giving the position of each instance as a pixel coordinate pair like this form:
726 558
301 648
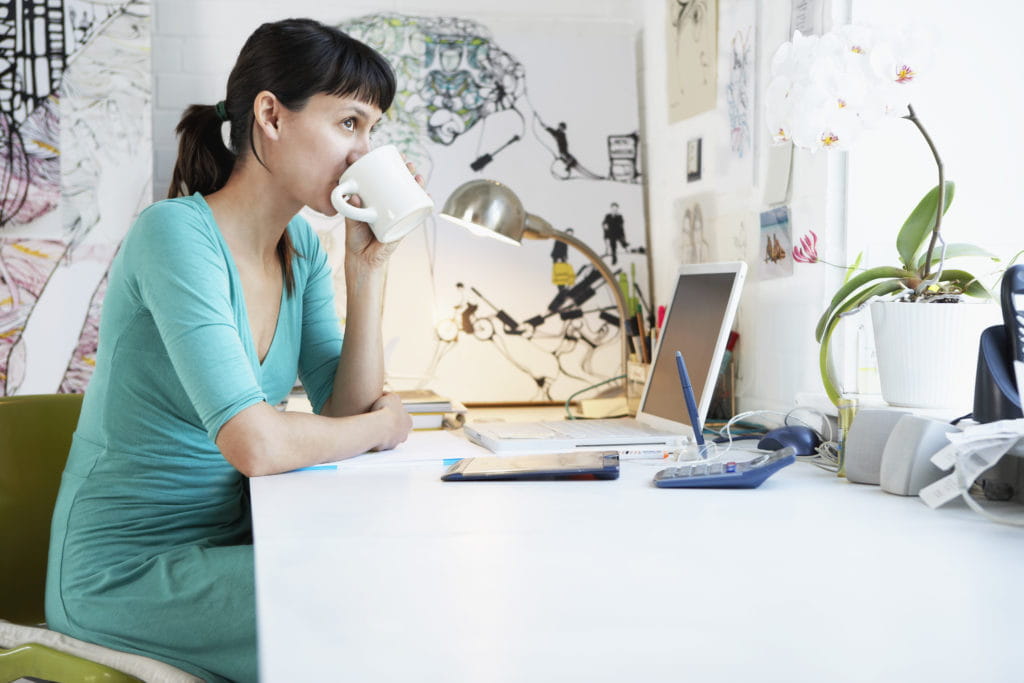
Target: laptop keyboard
583 429
571 429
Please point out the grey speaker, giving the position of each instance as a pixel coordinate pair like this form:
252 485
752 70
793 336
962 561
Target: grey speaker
906 462
865 442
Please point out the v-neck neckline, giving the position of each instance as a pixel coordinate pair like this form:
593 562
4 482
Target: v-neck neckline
233 267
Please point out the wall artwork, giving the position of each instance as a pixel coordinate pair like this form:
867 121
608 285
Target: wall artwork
75 170
740 93
550 110
737 53
693 240
692 58
776 244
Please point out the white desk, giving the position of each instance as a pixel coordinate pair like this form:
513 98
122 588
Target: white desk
388 574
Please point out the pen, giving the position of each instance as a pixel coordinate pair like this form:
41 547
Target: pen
643 304
691 403
316 467
642 336
661 316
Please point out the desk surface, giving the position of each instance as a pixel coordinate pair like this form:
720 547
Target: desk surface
386 573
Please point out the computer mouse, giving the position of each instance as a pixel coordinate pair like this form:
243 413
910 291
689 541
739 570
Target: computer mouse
802 439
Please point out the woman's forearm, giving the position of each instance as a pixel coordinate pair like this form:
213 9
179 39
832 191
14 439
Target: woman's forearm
260 440
359 380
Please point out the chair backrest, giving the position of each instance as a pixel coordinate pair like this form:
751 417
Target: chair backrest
35 437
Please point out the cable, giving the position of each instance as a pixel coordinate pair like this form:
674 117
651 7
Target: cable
824 421
568 401
826 457
974 505
827 454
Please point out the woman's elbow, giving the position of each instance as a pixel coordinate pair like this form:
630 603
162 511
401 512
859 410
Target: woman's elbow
247 440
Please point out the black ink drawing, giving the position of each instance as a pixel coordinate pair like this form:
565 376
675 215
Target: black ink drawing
453 79
692 57
456 84
574 327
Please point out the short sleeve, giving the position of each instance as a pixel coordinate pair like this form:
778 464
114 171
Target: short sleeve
321 331
180 272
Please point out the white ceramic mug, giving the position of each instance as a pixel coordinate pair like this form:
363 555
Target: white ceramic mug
393 202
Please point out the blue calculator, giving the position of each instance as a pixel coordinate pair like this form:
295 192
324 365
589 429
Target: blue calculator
724 474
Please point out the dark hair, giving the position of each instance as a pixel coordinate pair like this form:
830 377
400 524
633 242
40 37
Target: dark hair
294 59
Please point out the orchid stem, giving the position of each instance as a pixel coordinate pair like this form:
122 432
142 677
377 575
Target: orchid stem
941 208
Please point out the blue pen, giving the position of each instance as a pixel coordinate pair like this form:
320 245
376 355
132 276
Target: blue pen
313 468
691 403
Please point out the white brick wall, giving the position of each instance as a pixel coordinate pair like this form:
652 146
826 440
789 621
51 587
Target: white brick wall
195 43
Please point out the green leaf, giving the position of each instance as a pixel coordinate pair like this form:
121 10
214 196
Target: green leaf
852 285
921 222
957 250
853 269
967 282
880 289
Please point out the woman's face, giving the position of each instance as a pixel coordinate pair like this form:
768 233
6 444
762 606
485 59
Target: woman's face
318 143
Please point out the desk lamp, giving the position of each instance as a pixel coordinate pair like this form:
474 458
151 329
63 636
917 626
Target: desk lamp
488 208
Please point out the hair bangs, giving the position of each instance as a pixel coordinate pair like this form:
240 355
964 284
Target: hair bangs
361 72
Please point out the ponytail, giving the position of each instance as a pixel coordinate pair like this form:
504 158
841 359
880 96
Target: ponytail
204 163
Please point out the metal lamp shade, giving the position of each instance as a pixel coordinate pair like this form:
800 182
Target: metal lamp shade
487 208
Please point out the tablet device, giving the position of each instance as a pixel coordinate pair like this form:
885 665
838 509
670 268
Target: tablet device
576 465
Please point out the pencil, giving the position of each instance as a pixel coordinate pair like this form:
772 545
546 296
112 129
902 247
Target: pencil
643 337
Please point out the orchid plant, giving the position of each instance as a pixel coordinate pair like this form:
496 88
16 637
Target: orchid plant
825 92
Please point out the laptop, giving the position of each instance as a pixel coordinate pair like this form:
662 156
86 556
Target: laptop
698 320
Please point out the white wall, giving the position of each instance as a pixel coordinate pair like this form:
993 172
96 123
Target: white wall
777 354
970 105
195 43
971 112
970 108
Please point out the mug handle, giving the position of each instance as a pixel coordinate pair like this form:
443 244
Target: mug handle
350 187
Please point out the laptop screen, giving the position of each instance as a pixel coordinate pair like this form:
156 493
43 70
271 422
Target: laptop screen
697 322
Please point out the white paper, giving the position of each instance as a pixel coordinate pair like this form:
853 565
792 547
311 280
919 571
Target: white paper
428 446
970 453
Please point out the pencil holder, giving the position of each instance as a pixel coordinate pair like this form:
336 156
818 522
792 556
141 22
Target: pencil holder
636 378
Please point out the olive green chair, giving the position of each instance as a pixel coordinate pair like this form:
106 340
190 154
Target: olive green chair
35 436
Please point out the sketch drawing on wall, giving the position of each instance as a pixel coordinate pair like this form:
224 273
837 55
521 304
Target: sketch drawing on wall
691 243
74 116
453 76
739 93
466 108
692 57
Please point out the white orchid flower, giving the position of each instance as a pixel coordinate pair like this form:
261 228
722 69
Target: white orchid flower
825 91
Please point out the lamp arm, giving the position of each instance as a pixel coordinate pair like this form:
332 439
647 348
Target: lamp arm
537 229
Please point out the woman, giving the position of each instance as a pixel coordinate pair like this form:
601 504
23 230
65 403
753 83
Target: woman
219 296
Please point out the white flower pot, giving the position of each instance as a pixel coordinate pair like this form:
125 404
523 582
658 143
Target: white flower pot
928 353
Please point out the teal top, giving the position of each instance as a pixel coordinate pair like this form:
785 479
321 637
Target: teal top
150 550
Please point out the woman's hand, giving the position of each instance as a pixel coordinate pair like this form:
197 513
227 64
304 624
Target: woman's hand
360 242
396 418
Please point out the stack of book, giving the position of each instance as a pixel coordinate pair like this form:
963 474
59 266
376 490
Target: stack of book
429 410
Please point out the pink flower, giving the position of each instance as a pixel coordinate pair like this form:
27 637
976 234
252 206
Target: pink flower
807 250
